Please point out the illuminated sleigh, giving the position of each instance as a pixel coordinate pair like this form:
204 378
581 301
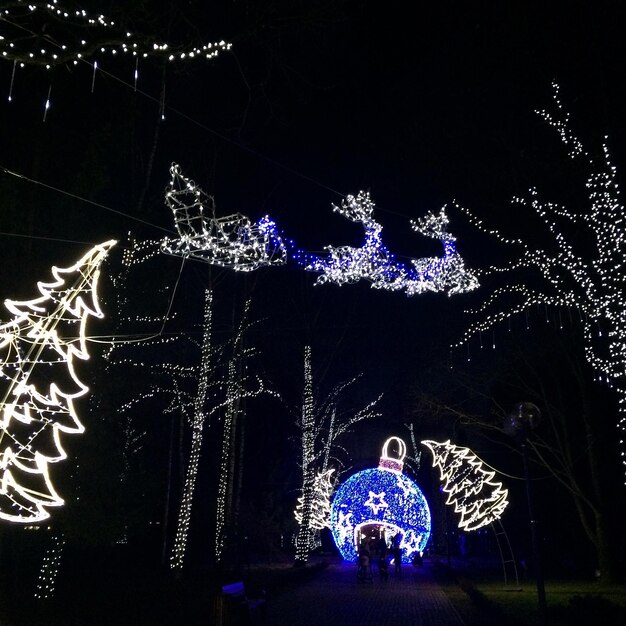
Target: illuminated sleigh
231 241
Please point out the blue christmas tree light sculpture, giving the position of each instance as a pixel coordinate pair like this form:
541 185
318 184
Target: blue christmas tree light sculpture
382 497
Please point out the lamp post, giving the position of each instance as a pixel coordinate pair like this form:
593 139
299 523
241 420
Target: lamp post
520 422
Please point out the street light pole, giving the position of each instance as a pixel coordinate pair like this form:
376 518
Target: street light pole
519 424
534 537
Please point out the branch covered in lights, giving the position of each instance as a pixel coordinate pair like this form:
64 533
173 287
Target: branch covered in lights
231 241
375 263
47 34
39 384
591 281
470 487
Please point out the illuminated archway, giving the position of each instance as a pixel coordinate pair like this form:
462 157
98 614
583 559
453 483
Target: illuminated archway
385 498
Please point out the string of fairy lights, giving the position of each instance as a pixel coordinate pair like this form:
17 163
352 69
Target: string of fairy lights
47 34
46 580
37 409
594 284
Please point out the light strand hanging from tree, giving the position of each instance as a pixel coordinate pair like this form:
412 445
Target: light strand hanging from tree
39 383
375 263
46 581
470 488
230 241
591 282
46 34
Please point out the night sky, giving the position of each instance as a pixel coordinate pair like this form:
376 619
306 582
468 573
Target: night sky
422 104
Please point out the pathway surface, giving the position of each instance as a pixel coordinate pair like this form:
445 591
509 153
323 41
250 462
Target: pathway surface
335 597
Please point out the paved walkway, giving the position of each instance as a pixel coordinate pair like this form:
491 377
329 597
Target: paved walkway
334 597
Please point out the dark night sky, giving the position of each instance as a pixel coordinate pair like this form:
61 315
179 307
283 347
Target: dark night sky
420 103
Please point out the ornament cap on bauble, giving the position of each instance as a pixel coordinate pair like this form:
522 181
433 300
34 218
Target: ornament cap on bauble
390 463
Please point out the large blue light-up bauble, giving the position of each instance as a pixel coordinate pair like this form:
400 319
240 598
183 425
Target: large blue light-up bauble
382 497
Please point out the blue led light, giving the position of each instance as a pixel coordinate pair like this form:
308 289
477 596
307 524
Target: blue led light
384 497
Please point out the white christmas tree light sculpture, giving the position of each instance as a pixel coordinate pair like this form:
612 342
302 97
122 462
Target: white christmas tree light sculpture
375 263
470 487
38 383
230 241
590 279
320 506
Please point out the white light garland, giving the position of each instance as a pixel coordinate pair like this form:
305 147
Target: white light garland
375 263
591 282
47 333
47 35
230 241
470 488
46 581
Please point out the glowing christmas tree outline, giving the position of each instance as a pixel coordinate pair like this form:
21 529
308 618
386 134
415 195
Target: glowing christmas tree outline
35 330
323 488
465 479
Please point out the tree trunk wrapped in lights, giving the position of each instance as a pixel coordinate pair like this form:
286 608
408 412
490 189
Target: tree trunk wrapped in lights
307 426
321 424
592 282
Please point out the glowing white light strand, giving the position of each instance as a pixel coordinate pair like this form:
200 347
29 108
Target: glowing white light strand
595 286
238 388
470 488
58 36
37 407
231 241
46 581
304 539
197 425
375 263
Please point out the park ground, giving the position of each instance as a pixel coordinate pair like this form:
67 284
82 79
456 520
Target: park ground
441 593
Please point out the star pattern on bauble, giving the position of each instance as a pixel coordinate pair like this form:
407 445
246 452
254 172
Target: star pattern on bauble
411 542
376 501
